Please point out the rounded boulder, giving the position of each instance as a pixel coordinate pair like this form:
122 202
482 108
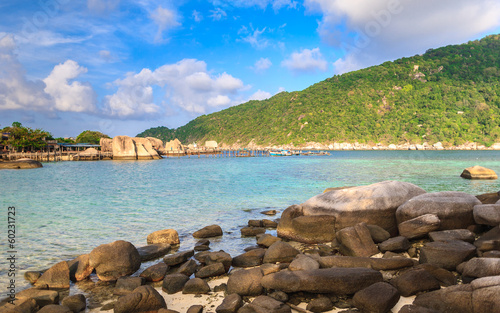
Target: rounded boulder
114 260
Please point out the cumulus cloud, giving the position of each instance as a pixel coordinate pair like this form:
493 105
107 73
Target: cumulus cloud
186 84
165 19
54 93
74 96
260 95
262 65
306 61
389 29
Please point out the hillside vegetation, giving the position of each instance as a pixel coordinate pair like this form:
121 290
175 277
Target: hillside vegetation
450 94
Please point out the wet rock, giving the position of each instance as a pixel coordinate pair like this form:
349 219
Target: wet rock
373 263
446 254
202 245
125 285
32 276
153 251
55 308
174 283
188 268
250 258
321 304
269 224
356 241
378 233
142 299
269 212
478 172
454 209
453 234
419 226
252 231
265 304
377 298
319 218
20 164
280 252
155 272
178 258
482 267
395 244
230 304
56 277
42 297
169 236
215 269
75 303
114 260
489 240
331 280
267 240
415 280
245 282
208 232
487 214
196 286
303 262
79 268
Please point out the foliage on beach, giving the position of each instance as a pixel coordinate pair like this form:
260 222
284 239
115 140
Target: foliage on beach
89 136
24 138
450 94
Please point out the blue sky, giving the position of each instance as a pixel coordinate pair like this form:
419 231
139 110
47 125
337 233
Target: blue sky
120 66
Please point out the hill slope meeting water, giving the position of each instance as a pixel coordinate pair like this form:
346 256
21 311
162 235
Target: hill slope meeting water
449 95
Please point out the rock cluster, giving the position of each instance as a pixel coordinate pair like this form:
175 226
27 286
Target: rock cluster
136 148
443 248
20 164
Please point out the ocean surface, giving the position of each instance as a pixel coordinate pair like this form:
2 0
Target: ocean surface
68 208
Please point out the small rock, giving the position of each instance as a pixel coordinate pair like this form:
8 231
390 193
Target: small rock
279 295
445 278
269 212
419 226
196 286
215 269
79 268
54 308
321 304
32 276
415 280
489 240
208 232
250 258
269 224
195 309
395 244
155 272
446 254
75 303
280 252
255 223
487 214
174 283
42 297
230 304
303 262
482 267
169 236
178 258
452 234
266 240
208 258
268 305
377 298
188 268
252 231
125 285
378 233
245 282
142 299
356 241
56 277
153 251
478 172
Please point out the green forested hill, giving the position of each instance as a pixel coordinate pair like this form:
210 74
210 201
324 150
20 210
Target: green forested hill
450 94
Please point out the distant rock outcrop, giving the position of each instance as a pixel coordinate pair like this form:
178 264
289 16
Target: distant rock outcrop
106 145
20 164
174 146
145 149
157 145
127 148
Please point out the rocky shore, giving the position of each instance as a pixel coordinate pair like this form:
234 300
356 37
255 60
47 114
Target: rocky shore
389 246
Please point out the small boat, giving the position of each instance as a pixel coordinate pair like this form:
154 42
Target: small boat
280 153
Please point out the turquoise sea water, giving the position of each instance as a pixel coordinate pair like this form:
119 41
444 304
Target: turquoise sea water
68 208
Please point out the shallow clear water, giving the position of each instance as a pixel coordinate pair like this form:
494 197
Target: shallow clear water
68 208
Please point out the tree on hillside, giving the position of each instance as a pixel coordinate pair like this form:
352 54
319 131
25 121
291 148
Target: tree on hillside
25 138
92 137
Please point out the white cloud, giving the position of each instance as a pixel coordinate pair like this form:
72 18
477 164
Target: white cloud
197 16
54 93
389 29
73 97
262 65
165 19
260 95
279 4
187 84
102 6
218 14
254 37
263 4
306 61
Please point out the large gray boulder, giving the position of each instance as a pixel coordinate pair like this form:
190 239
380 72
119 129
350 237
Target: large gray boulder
114 260
319 218
487 214
341 281
454 209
